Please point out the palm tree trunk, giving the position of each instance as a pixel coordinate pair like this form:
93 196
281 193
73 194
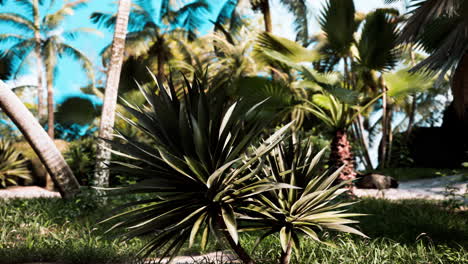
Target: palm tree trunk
383 142
103 155
341 154
50 108
160 58
460 90
41 106
389 136
267 16
359 127
42 144
412 114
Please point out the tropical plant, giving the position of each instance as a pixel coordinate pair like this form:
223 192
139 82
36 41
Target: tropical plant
12 164
197 168
81 157
293 212
150 30
42 144
339 109
364 55
439 28
43 36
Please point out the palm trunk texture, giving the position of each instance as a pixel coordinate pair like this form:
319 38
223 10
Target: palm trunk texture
41 106
103 155
267 17
340 155
41 143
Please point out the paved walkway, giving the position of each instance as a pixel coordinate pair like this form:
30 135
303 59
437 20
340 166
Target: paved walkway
26 192
433 189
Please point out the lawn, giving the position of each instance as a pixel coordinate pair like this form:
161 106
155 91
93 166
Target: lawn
412 231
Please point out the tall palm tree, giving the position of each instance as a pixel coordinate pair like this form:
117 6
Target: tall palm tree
364 58
38 139
440 29
103 154
149 36
43 36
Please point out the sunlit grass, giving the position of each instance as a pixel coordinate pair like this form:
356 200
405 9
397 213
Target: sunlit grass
412 231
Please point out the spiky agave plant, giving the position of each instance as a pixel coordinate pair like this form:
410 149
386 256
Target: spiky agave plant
294 211
197 170
12 164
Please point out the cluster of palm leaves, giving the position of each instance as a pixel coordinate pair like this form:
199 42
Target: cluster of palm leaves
13 165
207 165
40 38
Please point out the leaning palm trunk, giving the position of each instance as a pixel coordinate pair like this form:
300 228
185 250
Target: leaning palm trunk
340 155
41 143
101 176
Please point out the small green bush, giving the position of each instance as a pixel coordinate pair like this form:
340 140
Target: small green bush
81 157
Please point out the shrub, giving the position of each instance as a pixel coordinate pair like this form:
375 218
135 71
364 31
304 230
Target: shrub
205 169
12 165
81 157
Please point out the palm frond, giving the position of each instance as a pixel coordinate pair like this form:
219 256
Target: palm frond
300 11
270 48
378 44
81 32
338 22
52 21
18 21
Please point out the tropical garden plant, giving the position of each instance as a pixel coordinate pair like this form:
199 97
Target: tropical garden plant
12 165
296 212
203 166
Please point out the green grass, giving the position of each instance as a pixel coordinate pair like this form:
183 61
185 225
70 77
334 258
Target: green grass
410 231
408 174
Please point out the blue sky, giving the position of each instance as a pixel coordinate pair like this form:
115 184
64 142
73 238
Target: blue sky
71 77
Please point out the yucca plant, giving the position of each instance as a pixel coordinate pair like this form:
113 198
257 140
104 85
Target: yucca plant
305 210
197 169
12 164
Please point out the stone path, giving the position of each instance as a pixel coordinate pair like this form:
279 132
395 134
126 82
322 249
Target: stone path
26 192
432 189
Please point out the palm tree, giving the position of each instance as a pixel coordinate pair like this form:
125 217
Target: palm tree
103 154
149 36
41 143
376 51
439 28
338 109
44 36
